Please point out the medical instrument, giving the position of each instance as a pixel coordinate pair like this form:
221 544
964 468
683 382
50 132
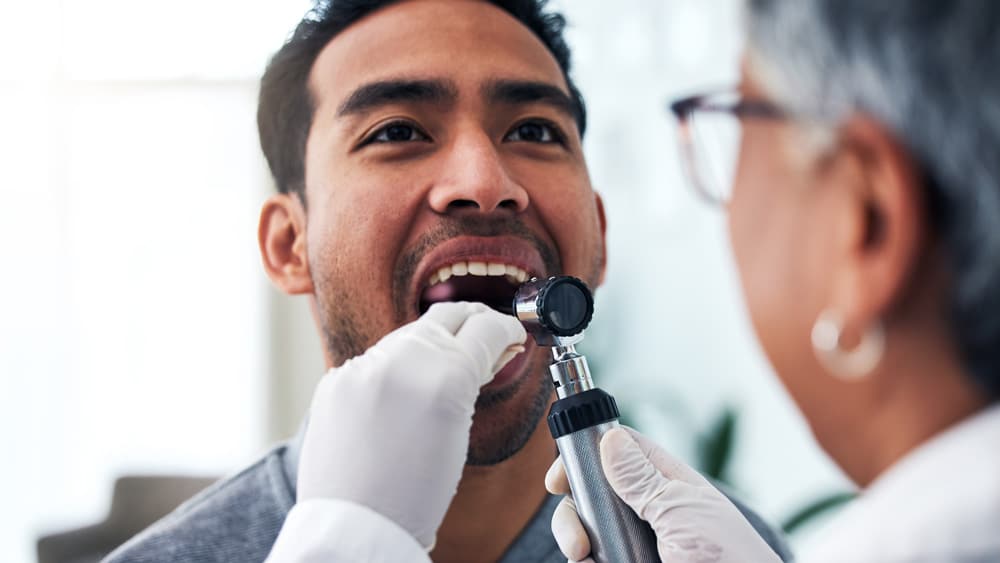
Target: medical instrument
555 311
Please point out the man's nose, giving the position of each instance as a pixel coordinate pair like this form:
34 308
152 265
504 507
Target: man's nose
474 177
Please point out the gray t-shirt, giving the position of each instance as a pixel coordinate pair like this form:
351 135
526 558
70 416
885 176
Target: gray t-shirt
238 520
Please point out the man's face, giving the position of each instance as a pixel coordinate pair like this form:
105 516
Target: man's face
442 143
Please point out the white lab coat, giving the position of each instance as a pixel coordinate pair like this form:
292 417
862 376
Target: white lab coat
940 503
336 531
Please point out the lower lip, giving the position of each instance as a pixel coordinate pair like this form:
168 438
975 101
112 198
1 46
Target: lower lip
516 368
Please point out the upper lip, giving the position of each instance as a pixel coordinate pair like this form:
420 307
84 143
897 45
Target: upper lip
512 250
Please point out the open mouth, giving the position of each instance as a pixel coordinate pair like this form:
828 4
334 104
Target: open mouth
491 283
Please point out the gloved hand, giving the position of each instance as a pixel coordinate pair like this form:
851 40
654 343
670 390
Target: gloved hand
390 429
693 521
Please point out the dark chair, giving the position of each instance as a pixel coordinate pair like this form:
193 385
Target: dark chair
137 502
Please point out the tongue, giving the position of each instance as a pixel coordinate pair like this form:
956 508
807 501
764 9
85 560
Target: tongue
495 292
440 292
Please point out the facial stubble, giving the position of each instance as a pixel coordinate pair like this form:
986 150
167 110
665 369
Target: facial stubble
505 418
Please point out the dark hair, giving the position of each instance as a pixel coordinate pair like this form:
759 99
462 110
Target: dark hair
285 107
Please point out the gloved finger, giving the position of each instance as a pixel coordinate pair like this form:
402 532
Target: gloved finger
568 531
555 478
631 474
509 354
492 339
667 464
452 315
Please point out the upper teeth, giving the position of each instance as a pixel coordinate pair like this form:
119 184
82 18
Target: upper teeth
513 273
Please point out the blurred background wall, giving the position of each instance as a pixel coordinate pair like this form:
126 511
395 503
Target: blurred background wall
138 333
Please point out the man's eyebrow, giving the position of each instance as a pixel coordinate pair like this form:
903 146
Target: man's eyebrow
528 92
383 92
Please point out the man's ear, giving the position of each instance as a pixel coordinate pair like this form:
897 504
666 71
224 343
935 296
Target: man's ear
282 239
599 202
886 228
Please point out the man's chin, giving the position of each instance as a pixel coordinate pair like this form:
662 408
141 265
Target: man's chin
509 408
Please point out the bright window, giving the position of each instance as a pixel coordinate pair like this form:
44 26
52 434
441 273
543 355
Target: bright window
133 329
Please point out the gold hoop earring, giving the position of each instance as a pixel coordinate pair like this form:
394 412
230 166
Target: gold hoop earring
849 365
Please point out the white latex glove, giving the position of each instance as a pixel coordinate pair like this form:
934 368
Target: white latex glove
693 521
389 429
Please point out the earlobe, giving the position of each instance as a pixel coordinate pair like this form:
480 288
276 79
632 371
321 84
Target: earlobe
281 235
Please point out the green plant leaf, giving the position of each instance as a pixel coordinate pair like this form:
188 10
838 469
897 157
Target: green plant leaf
814 509
716 446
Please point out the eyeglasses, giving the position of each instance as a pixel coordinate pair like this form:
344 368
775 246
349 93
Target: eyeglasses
711 129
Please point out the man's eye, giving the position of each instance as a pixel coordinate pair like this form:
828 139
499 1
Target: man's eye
397 133
534 132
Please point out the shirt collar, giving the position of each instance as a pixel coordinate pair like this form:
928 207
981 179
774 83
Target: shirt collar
290 459
939 501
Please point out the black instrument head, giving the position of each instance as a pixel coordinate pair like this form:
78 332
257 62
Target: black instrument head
557 307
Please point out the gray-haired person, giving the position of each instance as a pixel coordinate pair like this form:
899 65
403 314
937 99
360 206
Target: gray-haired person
864 214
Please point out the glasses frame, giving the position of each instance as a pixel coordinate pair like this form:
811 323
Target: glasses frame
684 109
